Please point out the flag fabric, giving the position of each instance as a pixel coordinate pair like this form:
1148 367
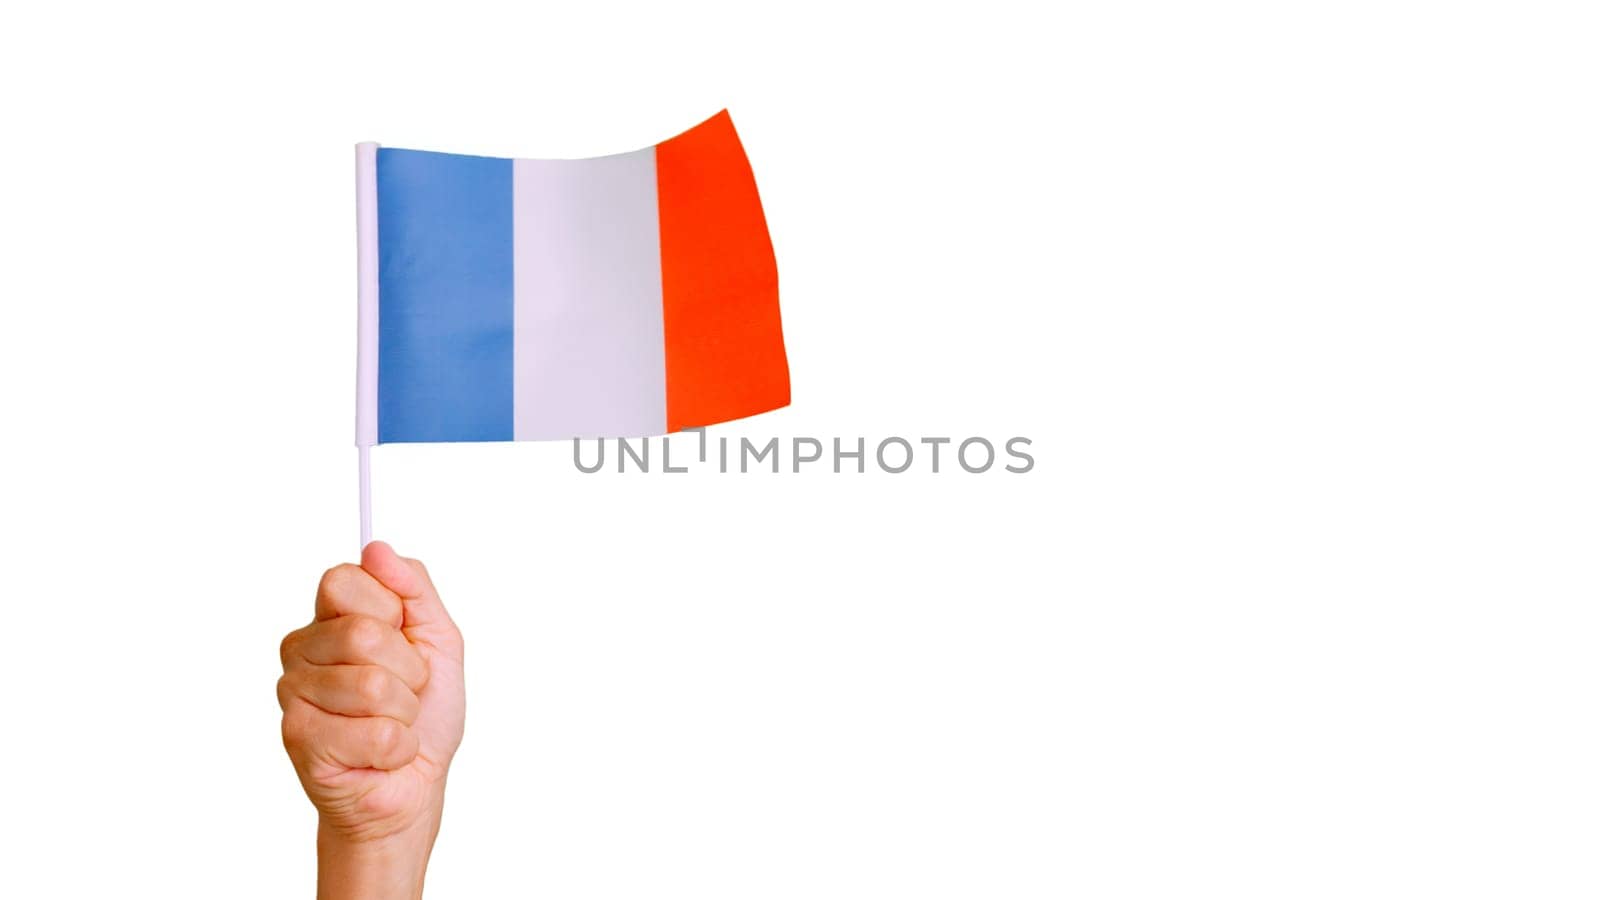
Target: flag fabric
528 299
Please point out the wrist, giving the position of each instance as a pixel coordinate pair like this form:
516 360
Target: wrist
387 868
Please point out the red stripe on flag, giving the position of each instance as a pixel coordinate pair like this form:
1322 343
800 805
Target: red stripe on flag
719 282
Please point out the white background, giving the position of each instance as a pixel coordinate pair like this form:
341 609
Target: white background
1296 301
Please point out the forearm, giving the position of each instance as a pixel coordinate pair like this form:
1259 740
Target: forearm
391 868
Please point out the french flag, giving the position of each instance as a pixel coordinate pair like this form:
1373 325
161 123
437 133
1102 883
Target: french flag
531 299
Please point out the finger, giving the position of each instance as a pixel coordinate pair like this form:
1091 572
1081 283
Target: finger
409 580
356 641
351 691
370 742
349 590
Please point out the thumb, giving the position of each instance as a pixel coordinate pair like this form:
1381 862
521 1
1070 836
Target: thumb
425 614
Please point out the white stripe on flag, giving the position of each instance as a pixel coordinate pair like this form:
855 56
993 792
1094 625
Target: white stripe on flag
589 357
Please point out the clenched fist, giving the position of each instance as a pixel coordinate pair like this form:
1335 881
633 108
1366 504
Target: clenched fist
373 706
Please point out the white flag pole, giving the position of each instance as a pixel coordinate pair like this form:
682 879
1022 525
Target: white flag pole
364 457
366 325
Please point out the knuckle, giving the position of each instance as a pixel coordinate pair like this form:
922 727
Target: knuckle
285 692
371 686
286 647
296 729
337 580
388 735
363 634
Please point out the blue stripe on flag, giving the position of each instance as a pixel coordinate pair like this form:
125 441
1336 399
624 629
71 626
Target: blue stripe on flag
445 297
